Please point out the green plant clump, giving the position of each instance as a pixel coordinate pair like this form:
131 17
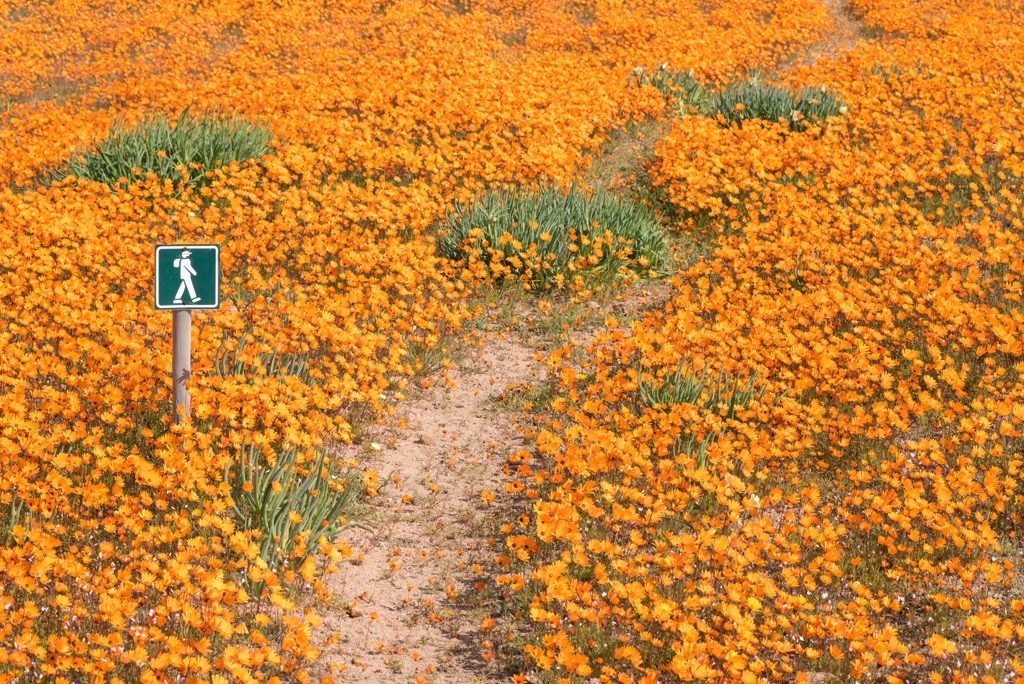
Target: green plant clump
756 99
886 72
288 506
682 86
230 363
180 150
541 233
18 514
685 386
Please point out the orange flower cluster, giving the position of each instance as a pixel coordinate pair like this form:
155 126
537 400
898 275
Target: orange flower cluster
863 517
525 264
121 558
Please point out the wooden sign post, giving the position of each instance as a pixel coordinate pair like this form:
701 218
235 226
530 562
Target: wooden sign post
181 364
186 277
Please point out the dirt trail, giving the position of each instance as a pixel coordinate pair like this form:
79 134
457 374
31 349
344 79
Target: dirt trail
846 31
401 623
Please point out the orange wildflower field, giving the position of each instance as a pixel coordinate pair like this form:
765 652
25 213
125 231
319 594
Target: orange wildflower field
840 495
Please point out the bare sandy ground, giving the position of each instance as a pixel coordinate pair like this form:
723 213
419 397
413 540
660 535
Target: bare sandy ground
400 621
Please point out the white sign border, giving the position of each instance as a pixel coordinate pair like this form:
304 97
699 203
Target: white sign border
156 278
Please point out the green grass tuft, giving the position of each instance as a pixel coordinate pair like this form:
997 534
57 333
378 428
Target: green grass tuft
756 99
541 234
180 150
686 386
289 503
689 93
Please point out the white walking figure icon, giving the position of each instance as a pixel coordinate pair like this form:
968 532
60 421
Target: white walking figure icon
185 269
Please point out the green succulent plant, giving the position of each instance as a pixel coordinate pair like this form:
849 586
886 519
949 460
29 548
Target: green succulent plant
181 150
560 223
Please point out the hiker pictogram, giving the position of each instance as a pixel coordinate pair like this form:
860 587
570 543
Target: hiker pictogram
184 266
187 276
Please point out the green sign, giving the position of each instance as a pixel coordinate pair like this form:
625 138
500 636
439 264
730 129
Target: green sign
187 276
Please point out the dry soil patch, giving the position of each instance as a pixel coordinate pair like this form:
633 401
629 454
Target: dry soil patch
397 621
